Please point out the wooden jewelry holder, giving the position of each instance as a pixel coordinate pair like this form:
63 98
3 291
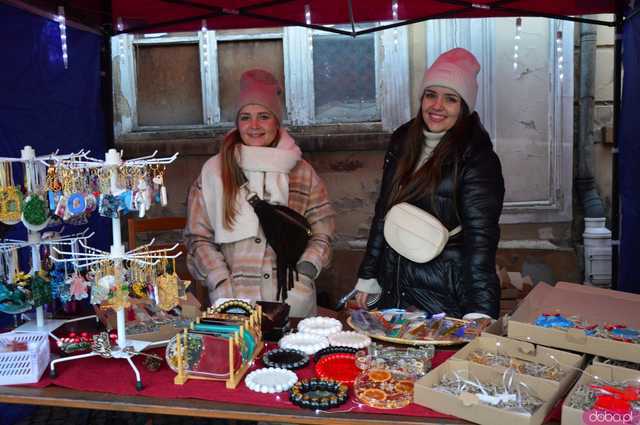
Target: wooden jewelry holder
253 323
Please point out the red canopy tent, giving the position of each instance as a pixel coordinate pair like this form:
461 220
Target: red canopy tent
147 16
185 15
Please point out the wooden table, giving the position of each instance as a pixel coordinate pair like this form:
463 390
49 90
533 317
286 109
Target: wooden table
62 397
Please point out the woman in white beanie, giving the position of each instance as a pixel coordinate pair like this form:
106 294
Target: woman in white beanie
226 245
442 162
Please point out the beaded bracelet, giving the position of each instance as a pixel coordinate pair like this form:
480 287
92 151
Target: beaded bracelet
270 380
323 326
226 306
308 343
318 393
350 339
334 349
285 358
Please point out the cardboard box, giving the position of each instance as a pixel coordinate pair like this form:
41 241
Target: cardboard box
569 362
573 416
595 305
468 407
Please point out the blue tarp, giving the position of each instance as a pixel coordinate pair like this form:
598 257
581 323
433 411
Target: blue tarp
629 147
44 105
48 107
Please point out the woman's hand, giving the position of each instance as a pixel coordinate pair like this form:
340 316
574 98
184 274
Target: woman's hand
361 299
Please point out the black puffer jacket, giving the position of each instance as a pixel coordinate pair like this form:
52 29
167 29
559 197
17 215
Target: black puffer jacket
462 279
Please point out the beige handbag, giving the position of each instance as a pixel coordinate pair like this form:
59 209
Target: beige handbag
415 234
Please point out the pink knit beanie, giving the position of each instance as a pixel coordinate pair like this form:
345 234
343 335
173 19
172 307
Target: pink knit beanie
260 87
455 69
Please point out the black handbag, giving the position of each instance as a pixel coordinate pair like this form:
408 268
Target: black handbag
288 233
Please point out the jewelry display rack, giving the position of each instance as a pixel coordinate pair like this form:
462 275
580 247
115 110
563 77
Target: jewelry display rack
30 160
252 323
126 348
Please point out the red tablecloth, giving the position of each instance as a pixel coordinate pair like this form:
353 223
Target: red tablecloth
115 376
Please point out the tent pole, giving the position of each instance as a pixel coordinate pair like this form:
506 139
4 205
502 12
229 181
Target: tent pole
615 196
107 74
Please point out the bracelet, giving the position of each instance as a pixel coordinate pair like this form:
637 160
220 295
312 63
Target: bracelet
270 380
308 343
226 306
334 349
323 326
284 358
350 339
311 393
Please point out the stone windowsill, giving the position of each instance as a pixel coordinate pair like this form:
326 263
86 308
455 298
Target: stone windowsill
205 141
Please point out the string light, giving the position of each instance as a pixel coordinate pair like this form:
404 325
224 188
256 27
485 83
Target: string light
205 48
307 20
63 36
560 55
516 45
394 13
121 37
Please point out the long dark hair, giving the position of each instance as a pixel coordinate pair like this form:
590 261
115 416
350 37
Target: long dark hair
408 185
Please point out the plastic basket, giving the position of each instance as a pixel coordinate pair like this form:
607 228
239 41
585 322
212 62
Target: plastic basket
23 367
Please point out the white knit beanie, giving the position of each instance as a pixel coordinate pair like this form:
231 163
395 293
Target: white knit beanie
455 69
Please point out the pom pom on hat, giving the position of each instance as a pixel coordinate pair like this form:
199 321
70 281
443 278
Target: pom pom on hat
260 87
456 69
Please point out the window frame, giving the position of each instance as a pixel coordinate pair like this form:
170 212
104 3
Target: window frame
391 69
478 36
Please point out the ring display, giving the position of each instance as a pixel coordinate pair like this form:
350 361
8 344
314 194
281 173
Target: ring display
384 389
318 393
340 367
270 380
285 358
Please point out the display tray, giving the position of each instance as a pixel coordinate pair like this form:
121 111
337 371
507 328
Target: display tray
440 341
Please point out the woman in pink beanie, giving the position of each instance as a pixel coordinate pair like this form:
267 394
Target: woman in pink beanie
226 243
442 162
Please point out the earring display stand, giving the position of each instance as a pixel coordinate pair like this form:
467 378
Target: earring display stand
29 159
126 348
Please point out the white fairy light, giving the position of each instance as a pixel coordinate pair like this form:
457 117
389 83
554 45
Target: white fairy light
307 20
121 37
394 13
205 48
560 55
63 35
516 46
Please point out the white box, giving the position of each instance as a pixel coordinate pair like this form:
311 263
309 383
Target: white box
24 367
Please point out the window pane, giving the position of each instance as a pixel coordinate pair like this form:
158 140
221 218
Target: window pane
168 84
522 126
344 78
235 57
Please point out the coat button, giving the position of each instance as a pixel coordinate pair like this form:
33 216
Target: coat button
266 276
258 240
403 294
389 292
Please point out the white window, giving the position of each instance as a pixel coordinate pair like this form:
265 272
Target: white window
191 80
527 111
